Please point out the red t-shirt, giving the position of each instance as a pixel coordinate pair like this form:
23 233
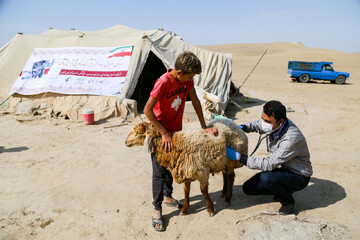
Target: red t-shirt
171 96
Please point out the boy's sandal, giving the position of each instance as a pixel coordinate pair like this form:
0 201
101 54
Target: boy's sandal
158 221
175 204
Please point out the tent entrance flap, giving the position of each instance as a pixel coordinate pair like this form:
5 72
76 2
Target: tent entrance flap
153 69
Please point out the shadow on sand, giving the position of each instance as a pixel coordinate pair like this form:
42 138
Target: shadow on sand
326 82
16 149
319 193
241 103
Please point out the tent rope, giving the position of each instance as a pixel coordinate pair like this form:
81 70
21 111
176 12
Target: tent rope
6 99
237 91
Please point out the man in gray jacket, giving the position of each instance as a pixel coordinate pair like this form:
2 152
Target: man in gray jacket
287 169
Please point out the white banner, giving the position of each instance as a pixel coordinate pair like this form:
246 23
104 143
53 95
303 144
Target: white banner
75 70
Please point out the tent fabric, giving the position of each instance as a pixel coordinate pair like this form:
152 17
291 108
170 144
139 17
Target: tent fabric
216 71
215 77
71 106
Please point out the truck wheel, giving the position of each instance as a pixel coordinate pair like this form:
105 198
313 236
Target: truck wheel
340 80
304 78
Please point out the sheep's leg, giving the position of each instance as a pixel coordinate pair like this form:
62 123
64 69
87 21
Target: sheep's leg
186 199
230 176
223 192
209 203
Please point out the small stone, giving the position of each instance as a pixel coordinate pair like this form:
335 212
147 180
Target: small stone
46 222
289 109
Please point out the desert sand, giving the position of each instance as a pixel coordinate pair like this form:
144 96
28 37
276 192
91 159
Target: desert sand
66 180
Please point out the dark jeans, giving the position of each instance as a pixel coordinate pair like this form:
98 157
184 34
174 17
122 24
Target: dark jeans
161 182
279 182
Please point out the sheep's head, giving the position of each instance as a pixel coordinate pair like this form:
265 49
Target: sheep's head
138 134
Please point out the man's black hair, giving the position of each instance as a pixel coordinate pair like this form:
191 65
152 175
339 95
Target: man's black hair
275 109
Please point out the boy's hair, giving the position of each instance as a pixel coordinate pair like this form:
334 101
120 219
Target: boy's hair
275 109
188 63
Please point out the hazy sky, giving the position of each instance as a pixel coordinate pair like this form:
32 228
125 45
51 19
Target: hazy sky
330 24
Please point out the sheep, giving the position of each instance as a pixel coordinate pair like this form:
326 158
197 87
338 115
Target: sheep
195 155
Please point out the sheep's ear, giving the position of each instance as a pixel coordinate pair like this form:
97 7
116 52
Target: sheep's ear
141 127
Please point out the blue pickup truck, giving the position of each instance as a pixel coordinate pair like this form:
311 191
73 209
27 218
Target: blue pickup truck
304 71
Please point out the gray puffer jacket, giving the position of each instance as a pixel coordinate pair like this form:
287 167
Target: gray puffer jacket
288 150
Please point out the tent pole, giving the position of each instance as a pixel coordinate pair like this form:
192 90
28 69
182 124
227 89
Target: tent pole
250 72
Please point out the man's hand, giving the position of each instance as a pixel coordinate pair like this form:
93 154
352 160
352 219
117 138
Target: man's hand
167 144
242 127
232 154
213 130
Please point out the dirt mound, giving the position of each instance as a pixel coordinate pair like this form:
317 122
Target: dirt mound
269 225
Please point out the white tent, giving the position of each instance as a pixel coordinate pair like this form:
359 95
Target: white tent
153 52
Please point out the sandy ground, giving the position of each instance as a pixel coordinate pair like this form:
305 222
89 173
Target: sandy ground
65 180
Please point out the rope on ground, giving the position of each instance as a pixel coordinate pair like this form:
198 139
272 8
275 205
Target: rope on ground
241 108
6 100
118 125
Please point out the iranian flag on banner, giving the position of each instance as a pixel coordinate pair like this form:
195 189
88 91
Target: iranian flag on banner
75 70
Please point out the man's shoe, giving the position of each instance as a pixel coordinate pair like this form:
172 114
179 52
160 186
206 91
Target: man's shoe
287 209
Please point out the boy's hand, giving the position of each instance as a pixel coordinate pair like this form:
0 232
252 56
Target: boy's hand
167 144
213 130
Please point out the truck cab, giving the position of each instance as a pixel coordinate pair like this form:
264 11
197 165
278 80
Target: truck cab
304 71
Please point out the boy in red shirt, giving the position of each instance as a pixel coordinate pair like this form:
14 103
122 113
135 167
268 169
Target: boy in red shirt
165 109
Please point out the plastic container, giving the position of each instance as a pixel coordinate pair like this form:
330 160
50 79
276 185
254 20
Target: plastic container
88 116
